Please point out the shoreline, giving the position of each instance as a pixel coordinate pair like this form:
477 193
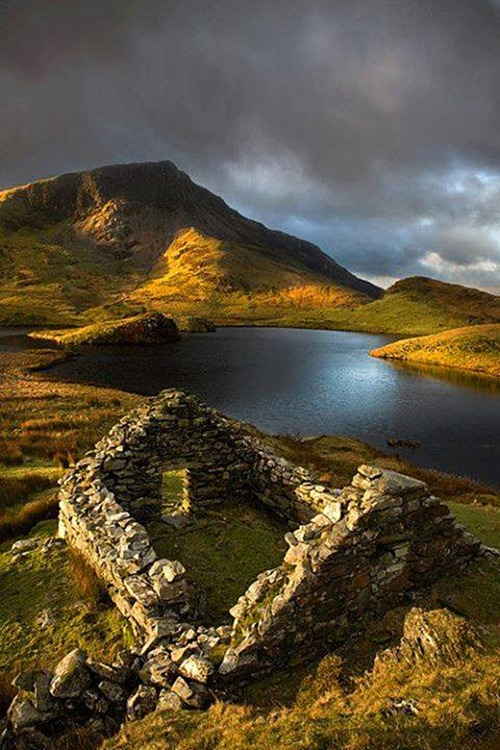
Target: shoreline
393 360
245 324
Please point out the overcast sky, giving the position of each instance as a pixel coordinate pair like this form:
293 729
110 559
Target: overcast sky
369 127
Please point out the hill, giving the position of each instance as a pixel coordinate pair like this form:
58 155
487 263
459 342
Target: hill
474 348
418 305
129 234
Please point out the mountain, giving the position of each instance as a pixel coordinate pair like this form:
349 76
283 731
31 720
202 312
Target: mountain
418 305
131 236
472 348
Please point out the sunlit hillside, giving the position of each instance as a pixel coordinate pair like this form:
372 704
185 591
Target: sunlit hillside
475 348
419 305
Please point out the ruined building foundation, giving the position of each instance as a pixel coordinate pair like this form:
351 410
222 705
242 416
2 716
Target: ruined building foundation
354 553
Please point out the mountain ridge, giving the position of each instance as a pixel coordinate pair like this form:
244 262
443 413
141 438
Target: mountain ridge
160 186
122 239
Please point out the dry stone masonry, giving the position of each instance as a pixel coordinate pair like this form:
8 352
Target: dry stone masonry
354 553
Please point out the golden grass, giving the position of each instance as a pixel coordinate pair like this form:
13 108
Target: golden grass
472 348
18 484
46 419
40 423
218 274
88 584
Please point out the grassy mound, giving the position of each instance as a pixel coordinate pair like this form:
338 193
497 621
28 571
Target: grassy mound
147 328
473 348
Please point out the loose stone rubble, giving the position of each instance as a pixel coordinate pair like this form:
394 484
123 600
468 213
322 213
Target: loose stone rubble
354 553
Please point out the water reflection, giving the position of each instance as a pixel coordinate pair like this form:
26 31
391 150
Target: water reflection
483 383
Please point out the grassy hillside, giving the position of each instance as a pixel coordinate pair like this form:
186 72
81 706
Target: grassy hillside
418 305
223 277
413 306
473 348
48 275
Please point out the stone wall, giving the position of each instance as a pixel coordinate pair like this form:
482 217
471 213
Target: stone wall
374 547
358 552
107 494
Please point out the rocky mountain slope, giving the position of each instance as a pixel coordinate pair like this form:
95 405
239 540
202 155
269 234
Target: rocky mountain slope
142 233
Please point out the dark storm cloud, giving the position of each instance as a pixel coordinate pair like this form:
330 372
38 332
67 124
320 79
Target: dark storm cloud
372 128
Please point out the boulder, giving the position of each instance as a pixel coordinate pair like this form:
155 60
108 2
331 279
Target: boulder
43 700
71 677
22 713
196 668
170 570
119 674
192 694
142 701
25 681
113 692
169 701
159 670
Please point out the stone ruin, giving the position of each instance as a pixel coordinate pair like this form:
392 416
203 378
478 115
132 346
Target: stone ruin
353 553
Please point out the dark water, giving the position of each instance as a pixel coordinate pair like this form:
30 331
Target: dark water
313 382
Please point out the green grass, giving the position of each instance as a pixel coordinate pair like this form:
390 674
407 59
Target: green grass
483 522
27 495
223 550
473 348
53 263
46 581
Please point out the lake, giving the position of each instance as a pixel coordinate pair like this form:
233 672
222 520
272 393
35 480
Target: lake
307 382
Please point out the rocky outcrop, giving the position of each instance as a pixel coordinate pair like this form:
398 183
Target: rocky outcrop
147 328
353 554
